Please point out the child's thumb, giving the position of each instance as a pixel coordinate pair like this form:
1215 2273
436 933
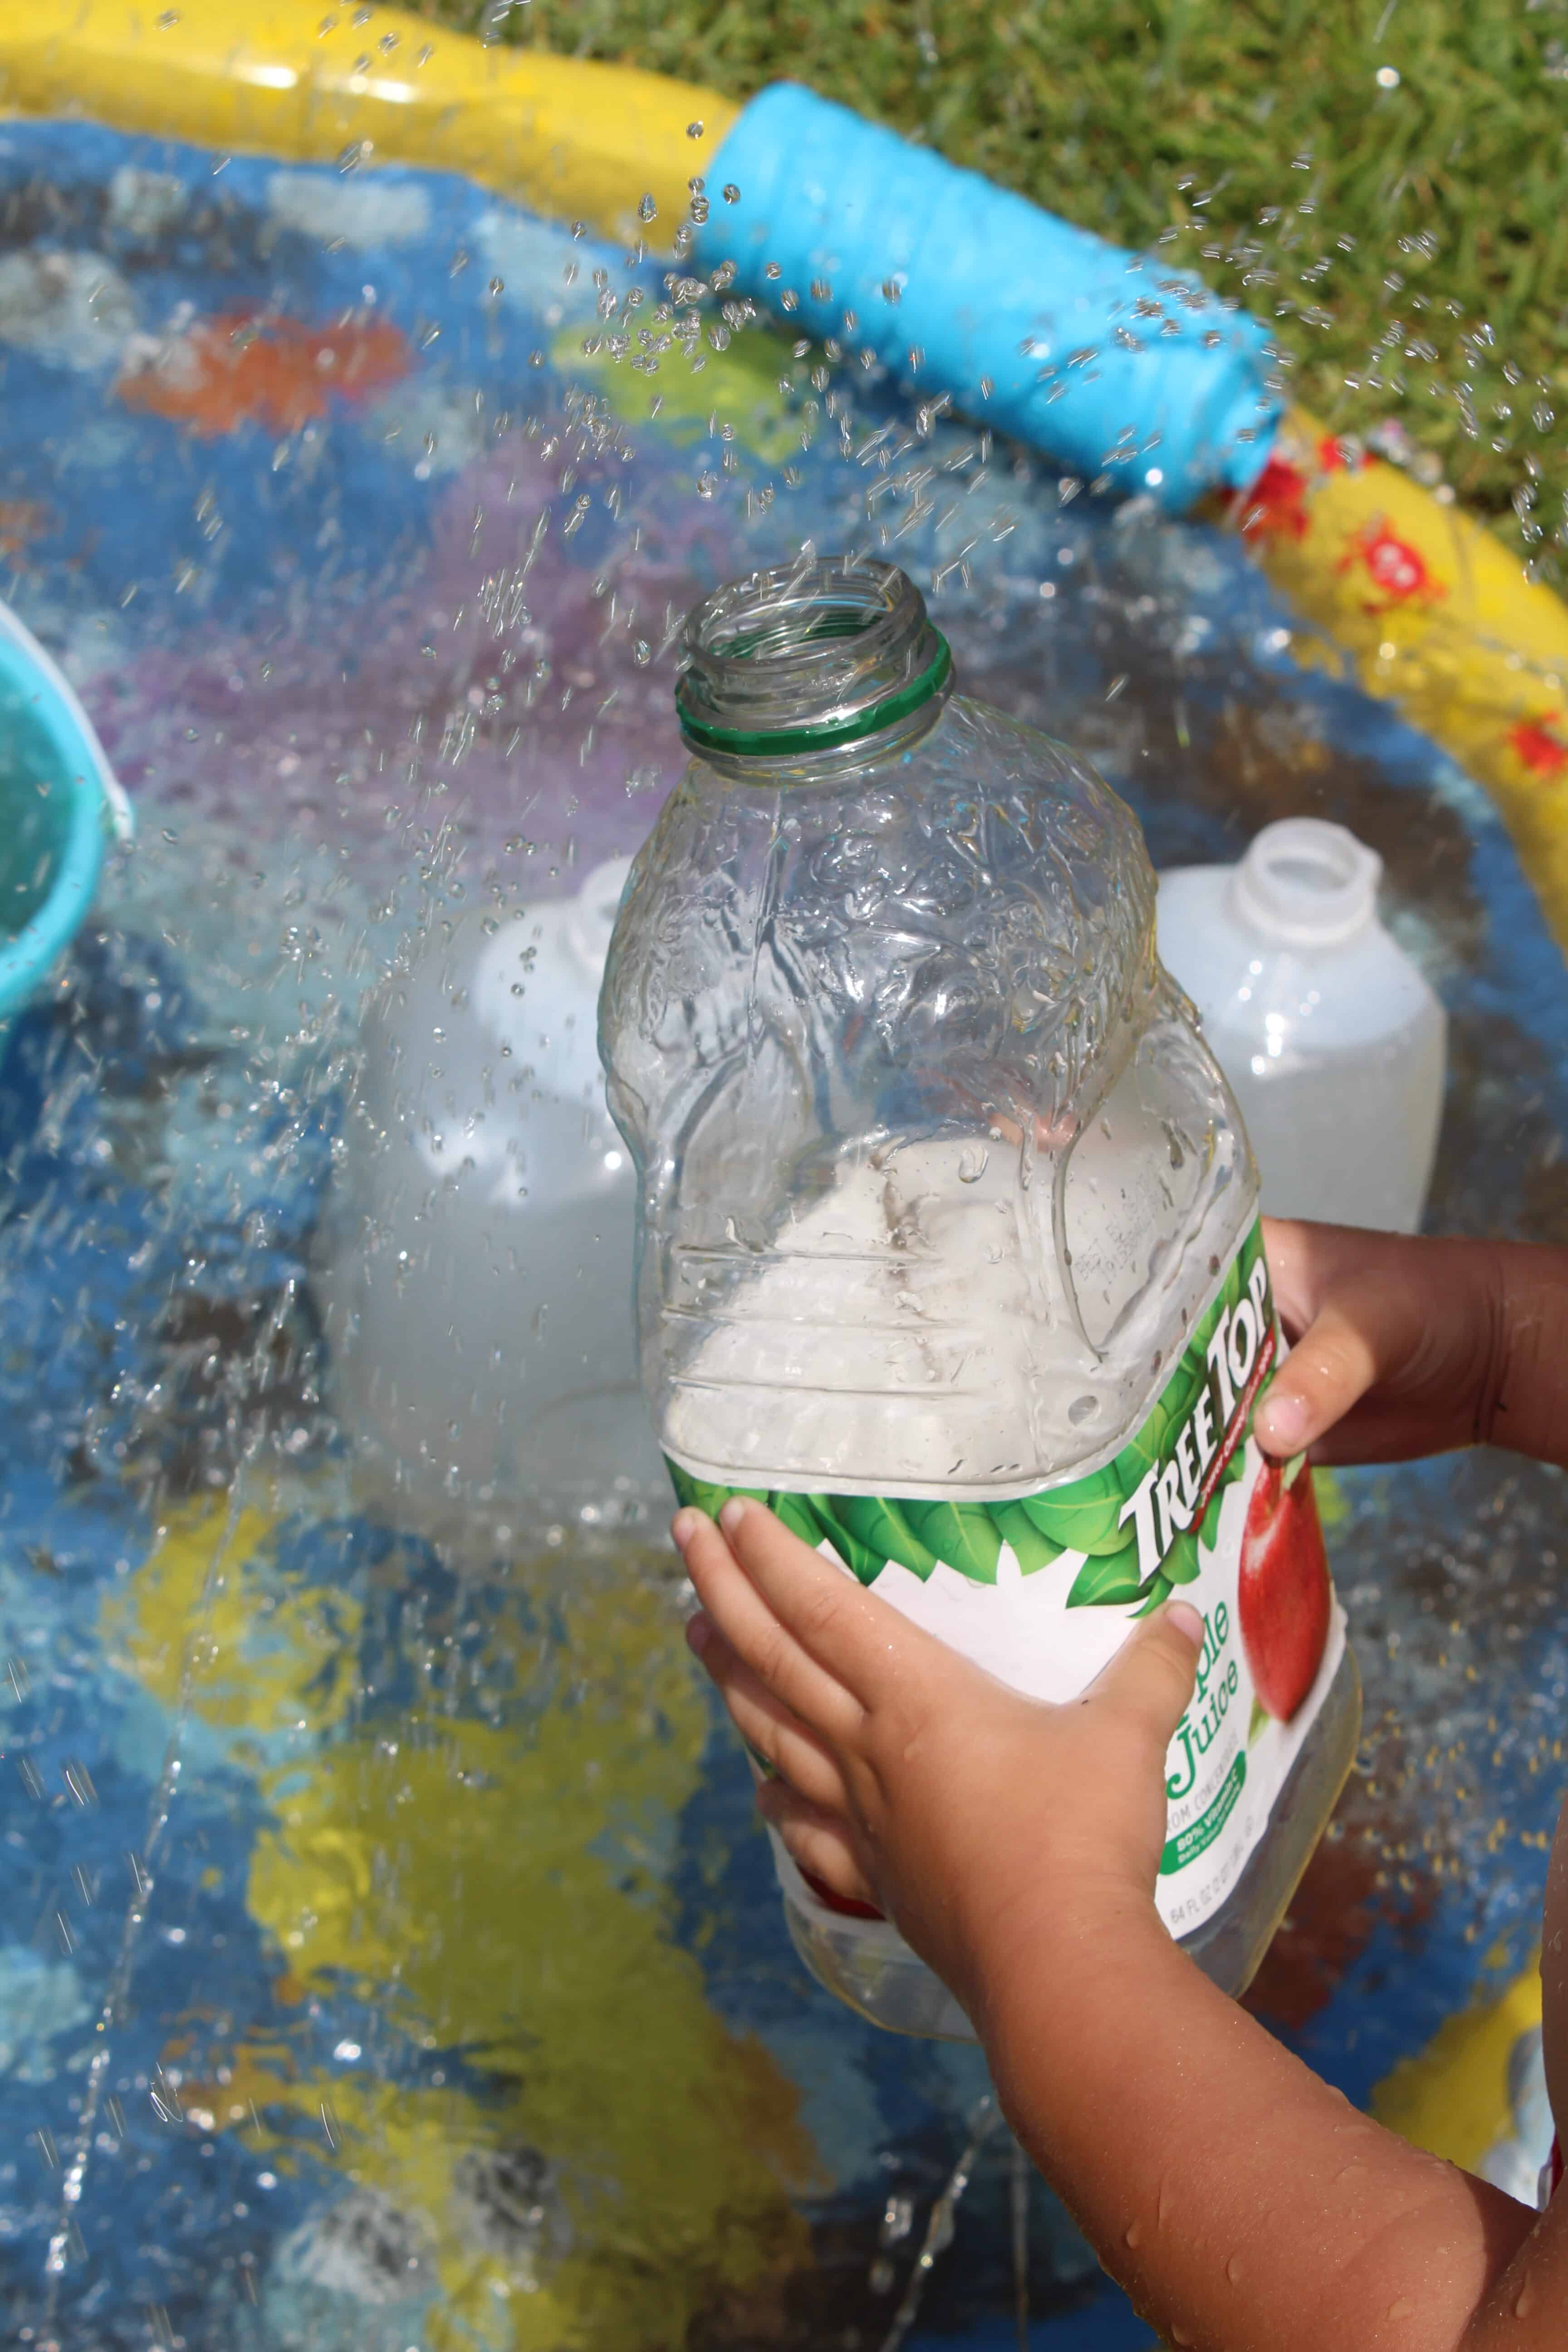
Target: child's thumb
1150 1677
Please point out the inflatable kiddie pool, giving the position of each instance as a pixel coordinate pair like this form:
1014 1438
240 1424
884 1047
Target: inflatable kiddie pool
391 1957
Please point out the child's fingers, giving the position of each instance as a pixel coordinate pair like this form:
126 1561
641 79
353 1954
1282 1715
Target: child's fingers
765 1723
817 1841
752 1630
1330 1367
1151 1678
1307 1263
1286 1245
853 1636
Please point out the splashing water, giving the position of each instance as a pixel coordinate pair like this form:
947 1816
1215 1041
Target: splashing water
394 1960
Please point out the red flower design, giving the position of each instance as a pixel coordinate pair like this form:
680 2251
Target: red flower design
1543 752
1396 569
1276 503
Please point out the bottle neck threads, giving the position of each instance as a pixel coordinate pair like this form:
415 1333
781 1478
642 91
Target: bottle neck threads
807 658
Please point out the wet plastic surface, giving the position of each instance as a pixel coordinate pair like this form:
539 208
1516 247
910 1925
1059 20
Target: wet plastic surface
391 1957
1330 1035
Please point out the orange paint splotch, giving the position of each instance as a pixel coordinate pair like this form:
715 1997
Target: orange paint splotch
22 520
1398 570
1539 745
277 372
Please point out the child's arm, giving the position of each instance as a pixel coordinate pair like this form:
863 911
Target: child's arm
1414 1347
1246 2207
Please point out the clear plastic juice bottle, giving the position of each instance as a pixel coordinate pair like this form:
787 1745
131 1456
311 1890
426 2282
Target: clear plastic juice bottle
948 1239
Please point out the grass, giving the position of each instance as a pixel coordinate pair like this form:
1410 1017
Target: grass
1408 240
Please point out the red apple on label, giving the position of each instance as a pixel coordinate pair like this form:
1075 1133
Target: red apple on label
1282 1602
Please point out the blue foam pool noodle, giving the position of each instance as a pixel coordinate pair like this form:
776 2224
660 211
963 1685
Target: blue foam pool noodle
1108 362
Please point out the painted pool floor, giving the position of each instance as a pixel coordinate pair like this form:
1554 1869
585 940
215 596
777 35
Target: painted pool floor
390 1957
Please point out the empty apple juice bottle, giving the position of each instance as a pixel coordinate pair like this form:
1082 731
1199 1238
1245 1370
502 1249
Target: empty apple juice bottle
947 1233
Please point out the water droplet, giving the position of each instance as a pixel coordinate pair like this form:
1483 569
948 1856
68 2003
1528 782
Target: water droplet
1400 2307
1387 77
1132 2235
1523 2300
694 130
646 209
1083 1409
1232 2269
971 1163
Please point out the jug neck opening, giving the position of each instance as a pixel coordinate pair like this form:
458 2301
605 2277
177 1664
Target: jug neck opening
807 658
1306 883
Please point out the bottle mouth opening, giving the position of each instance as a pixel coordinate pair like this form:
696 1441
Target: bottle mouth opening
1308 883
807 657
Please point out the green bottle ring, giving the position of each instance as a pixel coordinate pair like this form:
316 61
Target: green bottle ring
776 742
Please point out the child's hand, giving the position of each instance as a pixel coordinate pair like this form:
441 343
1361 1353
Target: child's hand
1404 1347
910 1779
1240 2200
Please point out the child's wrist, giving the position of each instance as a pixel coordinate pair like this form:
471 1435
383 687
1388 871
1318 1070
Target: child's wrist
1058 1933
1041 2006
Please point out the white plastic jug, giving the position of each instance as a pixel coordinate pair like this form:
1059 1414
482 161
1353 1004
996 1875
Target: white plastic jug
477 1294
1331 1040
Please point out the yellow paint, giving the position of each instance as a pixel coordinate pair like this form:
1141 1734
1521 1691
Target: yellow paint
301 79
498 1890
208 1612
741 385
1330 1493
1452 2099
1475 654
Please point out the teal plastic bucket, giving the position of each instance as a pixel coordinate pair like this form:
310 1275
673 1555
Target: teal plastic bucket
60 809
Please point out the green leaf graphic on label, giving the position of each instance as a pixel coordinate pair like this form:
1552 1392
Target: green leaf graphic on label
702 1494
960 1533
1084 1515
1159 1590
1247 1258
696 1493
1104 1583
1141 1453
1031 1548
883 1527
1187 1384
1180 1565
866 1561
1261 1719
798 1517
